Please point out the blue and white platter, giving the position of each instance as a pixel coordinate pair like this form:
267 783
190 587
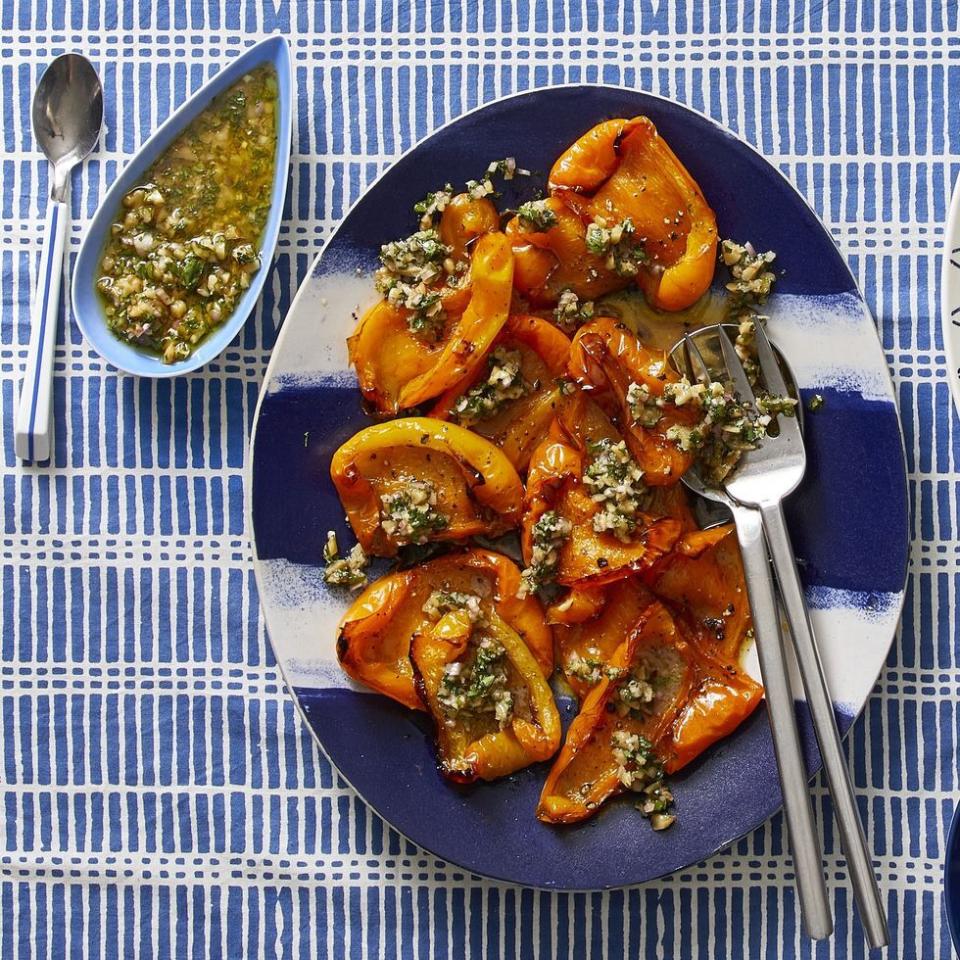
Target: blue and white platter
849 520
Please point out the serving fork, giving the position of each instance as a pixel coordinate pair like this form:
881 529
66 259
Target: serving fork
754 493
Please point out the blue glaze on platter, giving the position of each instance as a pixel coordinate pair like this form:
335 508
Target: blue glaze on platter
87 305
720 796
852 467
951 879
849 519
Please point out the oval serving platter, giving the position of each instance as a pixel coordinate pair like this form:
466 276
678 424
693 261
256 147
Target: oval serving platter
849 520
951 879
950 294
87 307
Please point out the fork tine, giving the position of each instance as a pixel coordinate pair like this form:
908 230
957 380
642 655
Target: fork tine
769 366
735 368
789 426
687 370
696 365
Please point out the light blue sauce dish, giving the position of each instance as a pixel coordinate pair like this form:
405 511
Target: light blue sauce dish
88 307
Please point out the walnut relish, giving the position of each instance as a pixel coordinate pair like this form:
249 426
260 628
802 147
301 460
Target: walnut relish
186 241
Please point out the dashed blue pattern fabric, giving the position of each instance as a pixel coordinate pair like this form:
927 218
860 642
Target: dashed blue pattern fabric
159 795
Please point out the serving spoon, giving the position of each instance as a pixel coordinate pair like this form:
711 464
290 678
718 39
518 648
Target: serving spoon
67 117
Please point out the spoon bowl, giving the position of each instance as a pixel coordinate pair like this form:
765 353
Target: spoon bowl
713 504
67 115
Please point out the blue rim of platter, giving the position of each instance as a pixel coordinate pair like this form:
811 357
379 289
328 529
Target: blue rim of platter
951 879
87 307
849 519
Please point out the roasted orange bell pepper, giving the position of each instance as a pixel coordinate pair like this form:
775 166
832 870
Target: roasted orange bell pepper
418 479
688 702
587 770
673 502
702 581
584 648
582 420
607 355
387 356
374 640
623 169
396 369
579 424
557 259
491 289
703 577
520 424
373 644
579 605
587 558
463 220
723 698
492 706
592 159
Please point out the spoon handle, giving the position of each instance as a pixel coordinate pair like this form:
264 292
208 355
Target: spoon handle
34 422
808 863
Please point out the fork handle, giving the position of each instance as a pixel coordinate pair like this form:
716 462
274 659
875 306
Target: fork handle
855 848
811 885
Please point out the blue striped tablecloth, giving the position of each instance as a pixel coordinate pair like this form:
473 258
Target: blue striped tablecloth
159 795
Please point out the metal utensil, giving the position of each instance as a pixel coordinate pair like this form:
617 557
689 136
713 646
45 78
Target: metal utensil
714 508
811 885
763 478
67 117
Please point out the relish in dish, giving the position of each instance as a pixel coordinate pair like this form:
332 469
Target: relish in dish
186 241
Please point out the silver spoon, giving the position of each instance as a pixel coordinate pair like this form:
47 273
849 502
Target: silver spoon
67 117
713 506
